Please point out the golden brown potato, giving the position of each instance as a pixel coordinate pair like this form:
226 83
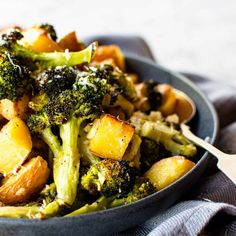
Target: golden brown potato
168 99
19 108
15 145
109 137
30 179
38 40
110 52
168 170
71 42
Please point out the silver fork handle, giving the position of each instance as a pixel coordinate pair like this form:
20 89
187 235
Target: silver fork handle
200 142
226 163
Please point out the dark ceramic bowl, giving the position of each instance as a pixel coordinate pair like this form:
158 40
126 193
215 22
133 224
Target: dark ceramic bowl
204 124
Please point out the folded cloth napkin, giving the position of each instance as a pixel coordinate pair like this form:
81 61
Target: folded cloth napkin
210 209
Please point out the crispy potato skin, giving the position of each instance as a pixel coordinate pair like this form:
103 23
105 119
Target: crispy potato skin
111 137
30 179
168 170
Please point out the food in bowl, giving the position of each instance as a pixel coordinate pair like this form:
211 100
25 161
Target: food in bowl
79 133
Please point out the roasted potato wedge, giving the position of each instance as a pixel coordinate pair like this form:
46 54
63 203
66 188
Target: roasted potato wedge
168 99
110 137
38 40
110 52
168 170
71 42
15 145
30 179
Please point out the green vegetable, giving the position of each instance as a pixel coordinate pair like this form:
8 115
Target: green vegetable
100 204
48 194
87 157
46 59
118 81
19 211
68 111
159 131
142 188
55 80
14 77
151 152
108 177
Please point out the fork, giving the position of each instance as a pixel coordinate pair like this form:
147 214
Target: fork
226 162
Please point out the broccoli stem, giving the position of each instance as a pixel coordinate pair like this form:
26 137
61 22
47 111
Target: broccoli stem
87 157
34 211
52 141
51 210
117 202
52 59
172 139
66 159
19 211
66 165
101 204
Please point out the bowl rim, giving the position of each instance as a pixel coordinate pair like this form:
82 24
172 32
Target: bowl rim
36 222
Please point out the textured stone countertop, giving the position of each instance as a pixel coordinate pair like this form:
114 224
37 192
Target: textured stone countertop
193 36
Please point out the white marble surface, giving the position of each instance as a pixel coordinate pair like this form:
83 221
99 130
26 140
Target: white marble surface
196 36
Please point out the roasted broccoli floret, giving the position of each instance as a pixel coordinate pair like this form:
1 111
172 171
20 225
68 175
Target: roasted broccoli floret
50 83
109 177
159 131
66 112
119 82
39 101
45 59
151 152
14 77
55 80
121 91
141 189
50 30
48 194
